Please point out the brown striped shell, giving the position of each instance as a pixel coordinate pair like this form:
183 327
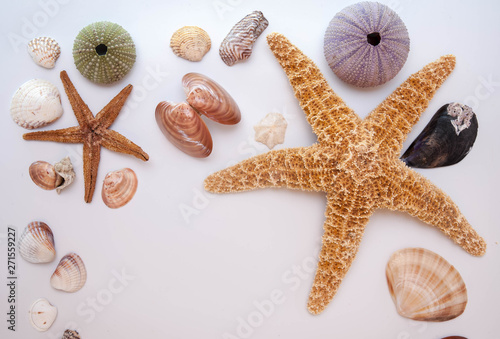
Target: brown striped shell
208 98
183 126
70 274
36 243
237 45
119 187
190 43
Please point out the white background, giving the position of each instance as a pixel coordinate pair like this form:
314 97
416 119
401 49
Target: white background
199 275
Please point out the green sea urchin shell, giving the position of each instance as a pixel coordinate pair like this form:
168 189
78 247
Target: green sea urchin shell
104 52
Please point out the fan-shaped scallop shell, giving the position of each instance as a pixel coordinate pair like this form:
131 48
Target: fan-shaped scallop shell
366 44
190 43
36 243
184 128
70 274
35 104
45 51
210 99
104 52
237 45
42 314
119 187
424 286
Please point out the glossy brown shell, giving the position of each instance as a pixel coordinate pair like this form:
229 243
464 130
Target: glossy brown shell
44 175
119 187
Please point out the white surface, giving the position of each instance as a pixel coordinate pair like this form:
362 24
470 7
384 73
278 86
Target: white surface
198 276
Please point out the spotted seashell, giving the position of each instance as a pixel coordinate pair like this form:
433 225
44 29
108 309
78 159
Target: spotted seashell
184 128
190 43
424 286
237 45
36 243
70 274
210 99
104 52
70 334
42 314
366 44
45 51
35 104
271 130
446 140
119 187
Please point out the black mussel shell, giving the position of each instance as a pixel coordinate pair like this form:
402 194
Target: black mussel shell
446 139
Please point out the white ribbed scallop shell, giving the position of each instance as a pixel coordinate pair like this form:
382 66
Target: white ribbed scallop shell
70 274
36 243
45 51
190 43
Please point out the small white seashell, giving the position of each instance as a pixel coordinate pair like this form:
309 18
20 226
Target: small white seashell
271 130
64 168
44 51
36 244
70 274
42 314
35 104
119 187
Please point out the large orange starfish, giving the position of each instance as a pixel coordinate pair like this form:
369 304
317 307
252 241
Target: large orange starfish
356 162
92 132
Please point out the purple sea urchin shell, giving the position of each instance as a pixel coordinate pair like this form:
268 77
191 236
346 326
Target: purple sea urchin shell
366 44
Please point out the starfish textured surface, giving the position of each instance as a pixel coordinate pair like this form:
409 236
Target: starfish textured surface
356 162
92 132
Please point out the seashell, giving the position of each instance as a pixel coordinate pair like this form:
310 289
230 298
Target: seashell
44 175
210 99
35 104
455 337
119 187
45 51
64 169
366 44
70 334
104 52
190 43
271 130
446 140
70 274
183 126
424 286
36 243
237 45
42 314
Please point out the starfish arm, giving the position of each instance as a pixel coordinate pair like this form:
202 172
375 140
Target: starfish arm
71 135
296 168
393 119
82 112
91 158
410 192
116 142
343 229
109 113
330 118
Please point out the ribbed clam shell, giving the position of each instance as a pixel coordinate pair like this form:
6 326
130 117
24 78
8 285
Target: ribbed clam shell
70 334
119 187
190 43
446 140
70 274
45 51
271 130
424 286
366 44
237 45
44 175
210 99
36 243
104 52
183 126
42 314
35 104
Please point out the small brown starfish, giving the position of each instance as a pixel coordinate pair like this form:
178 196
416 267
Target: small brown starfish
92 132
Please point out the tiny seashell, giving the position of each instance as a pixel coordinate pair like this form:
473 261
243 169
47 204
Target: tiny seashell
42 314
424 286
44 175
35 104
271 130
45 51
446 140
237 45
36 243
119 187
70 334
190 43
210 99
183 126
64 169
70 274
